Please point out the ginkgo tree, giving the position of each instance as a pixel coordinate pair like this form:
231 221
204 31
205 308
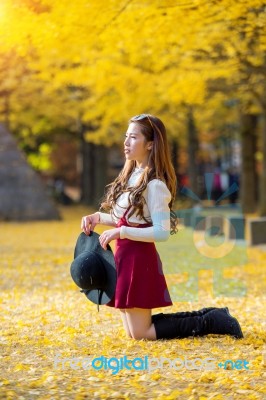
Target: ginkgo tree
97 63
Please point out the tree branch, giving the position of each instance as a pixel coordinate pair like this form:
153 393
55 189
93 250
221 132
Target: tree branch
115 16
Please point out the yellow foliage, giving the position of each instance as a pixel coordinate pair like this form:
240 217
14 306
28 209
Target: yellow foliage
140 56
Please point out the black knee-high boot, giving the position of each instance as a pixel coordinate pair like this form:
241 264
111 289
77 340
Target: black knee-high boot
184 314
217 321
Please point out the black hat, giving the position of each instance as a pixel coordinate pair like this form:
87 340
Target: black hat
93 269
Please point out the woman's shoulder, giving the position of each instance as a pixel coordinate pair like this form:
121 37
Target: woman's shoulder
157 186
157 183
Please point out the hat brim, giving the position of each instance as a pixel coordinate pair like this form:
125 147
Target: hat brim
90 243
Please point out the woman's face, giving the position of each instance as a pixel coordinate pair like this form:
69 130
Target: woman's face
135 145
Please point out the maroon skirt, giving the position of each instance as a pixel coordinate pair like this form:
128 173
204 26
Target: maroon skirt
140 279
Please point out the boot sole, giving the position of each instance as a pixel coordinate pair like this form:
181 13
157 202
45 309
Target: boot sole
240 334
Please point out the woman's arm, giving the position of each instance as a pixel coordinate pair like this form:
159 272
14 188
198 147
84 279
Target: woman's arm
158 198
88 222
106 219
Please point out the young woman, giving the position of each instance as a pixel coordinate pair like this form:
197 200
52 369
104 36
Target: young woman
140 202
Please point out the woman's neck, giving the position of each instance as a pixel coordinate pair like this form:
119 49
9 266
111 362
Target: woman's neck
141 164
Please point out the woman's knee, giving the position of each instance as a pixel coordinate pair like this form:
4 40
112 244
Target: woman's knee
139 334
139 322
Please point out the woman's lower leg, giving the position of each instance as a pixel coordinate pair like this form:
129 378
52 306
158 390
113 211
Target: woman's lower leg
140 324
125 323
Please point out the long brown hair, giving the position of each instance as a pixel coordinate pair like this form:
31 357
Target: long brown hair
159 167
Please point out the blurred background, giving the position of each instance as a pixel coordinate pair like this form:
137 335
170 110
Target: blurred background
73 73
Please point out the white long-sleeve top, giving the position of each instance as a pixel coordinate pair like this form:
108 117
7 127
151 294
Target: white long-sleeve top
156 210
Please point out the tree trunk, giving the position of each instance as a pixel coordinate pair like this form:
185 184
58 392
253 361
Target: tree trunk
175 151
100 173
94 172
262 192
87 176
193 146
249 181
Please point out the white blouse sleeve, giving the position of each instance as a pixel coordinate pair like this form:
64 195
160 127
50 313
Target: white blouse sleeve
158 198
106 219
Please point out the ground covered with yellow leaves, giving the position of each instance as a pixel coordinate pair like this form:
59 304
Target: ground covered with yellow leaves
50 333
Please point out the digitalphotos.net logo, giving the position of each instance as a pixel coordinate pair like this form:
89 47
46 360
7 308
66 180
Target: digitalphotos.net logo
214 240
146 363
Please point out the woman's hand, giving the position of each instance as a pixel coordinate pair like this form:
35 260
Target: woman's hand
89 222
109 235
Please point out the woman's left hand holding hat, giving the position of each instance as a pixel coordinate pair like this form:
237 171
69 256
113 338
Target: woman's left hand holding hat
88 222
107 236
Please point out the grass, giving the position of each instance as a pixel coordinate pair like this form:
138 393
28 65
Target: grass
44 316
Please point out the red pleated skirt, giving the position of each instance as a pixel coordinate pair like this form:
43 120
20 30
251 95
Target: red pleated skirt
140 279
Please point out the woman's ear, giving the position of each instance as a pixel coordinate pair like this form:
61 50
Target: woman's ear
149 147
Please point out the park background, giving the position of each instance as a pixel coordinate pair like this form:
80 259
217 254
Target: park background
71 76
